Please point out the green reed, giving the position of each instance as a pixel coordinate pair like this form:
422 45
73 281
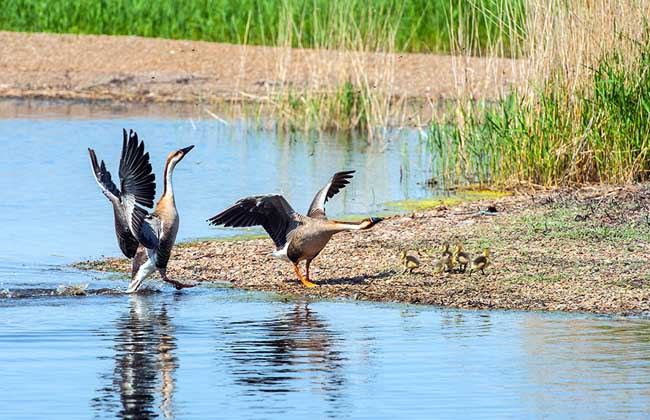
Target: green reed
420 25
599 132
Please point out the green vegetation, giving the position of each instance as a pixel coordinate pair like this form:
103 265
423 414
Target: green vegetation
573 125
455 199
418 25
560 223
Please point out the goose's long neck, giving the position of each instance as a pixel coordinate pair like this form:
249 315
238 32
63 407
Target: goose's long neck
338 226
168 193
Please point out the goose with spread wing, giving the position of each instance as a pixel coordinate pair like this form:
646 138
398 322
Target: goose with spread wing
296 237
146 237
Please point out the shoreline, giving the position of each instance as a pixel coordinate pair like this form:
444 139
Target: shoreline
566 250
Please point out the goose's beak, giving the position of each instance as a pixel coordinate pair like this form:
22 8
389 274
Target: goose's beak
187 149
184 151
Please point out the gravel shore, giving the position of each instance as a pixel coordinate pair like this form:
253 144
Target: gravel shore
581 250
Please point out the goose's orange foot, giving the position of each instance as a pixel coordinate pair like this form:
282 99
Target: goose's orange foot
307 283
303 280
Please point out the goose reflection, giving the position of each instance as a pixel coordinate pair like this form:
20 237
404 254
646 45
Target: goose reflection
145 364
284 353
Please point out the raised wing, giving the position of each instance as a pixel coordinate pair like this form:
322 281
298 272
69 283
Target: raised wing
103 177
138 188
336 184
138 183
272 212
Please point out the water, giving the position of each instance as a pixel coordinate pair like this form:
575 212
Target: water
227 354
57 214
213 352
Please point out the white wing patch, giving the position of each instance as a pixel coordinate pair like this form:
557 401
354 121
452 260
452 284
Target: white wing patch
282 253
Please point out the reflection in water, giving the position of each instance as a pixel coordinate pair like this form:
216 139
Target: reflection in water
145 364
258 359
280 355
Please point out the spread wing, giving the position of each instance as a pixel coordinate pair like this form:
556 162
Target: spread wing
272 212
137 181
336 184
138 188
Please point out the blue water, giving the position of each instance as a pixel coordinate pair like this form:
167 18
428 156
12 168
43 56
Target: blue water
56 213
214 352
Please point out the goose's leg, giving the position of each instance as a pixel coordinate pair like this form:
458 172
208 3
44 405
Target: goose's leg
142 273
177 284
143 266
303 280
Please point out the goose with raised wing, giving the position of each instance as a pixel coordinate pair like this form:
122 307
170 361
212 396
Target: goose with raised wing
297 237
146 237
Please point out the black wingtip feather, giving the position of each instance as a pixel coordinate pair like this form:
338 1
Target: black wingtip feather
136 173
272 212
339 181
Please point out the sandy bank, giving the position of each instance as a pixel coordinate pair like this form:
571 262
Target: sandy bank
89 67
583 250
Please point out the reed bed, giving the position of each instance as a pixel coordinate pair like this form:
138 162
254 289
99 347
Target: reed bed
363 99
584 116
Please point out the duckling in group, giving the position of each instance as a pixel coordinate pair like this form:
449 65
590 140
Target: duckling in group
409 262
481 262
445 250
147 238
447 257
296 237
460 258
443 264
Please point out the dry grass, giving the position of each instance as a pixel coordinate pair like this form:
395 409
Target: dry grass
568 38
355 89
583 114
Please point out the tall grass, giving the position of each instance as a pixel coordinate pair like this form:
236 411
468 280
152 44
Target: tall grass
351 71
419 25
350 77
584 117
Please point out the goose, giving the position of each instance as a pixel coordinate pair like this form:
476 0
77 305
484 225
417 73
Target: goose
297 237
146 237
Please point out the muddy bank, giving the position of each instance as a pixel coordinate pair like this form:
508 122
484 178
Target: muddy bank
580 250
120 68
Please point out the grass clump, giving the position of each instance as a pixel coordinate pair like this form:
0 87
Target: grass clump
353 89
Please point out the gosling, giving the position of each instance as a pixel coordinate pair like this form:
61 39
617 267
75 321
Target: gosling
443 264
445 250
460 258
447 257
481 262
409 262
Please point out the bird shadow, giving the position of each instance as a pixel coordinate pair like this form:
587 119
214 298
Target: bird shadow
357 279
